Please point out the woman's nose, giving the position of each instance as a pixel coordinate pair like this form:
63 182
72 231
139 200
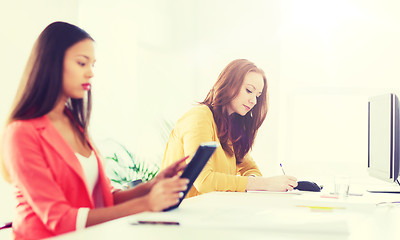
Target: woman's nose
253 100
90 73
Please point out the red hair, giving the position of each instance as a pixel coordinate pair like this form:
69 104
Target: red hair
235 132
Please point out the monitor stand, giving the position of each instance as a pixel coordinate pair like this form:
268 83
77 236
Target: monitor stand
385 189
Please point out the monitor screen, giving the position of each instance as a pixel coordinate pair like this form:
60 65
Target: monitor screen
383 137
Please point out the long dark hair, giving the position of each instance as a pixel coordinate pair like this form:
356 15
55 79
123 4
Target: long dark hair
239 130
41 84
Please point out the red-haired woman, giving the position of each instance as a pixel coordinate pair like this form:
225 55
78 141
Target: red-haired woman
231 114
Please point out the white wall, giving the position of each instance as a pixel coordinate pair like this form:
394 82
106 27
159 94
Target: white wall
334 55
322 59
160 57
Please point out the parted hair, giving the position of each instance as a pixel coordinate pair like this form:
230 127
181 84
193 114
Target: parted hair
235 132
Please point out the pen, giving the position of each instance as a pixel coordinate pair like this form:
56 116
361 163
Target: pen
282 169
157 222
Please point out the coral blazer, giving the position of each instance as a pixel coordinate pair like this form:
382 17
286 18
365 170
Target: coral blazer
49 180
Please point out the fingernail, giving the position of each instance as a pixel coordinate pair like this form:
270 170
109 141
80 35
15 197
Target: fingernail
180 194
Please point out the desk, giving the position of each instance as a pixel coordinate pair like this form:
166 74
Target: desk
261 215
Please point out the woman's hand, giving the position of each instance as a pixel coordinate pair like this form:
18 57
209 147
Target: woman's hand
172 169
166 193
278 183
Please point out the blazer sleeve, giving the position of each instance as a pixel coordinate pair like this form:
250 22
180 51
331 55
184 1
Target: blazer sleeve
30 173
198 127
248 167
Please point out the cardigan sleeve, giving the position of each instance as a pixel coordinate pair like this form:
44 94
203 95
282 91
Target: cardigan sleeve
198 126
30 173
248 167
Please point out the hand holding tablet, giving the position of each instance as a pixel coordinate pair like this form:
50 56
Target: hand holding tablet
196 165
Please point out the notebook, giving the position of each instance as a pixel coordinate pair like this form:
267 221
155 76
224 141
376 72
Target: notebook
195 166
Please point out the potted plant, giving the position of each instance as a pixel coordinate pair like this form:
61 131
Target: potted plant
126 170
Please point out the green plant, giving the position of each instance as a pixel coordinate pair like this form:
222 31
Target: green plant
126 168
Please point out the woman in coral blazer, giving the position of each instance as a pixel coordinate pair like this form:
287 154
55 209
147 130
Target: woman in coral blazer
50 180
231 114
60 182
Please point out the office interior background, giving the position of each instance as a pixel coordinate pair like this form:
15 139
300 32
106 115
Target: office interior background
157 58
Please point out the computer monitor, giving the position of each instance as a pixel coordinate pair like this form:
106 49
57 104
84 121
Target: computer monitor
383 137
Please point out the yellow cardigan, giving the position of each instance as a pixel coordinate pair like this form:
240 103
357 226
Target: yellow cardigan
221 173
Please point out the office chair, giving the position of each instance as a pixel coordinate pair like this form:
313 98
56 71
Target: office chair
5 225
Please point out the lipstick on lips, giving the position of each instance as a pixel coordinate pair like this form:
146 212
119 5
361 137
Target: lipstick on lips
86 86
246 107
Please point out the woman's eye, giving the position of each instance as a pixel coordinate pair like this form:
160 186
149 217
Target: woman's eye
248 91
81 64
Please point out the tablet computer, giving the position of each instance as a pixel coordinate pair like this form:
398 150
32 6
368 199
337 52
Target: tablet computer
195 166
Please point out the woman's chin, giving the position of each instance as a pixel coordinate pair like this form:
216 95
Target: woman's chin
243 113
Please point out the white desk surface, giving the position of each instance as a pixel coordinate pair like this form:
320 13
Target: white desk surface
262 215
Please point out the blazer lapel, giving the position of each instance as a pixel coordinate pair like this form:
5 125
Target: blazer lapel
57 142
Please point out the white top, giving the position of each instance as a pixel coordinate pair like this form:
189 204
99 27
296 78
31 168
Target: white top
91 172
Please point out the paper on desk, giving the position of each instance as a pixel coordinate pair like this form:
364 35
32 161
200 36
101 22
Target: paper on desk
366 201
294 192
298 219
288 219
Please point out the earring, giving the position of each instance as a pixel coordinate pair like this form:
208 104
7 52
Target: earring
251 113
